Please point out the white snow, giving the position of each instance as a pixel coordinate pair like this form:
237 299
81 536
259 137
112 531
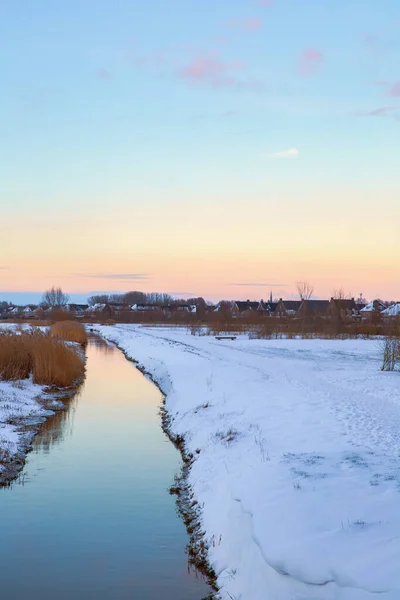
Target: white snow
297 459
392 311
96 307
18 404
374 306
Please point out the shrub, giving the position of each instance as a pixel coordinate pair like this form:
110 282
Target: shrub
69 331
47 359
390 353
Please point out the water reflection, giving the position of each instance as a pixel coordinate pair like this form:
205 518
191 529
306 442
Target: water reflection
91 516
54 429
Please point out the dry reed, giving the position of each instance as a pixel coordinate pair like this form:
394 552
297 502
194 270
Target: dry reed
47 359
69 331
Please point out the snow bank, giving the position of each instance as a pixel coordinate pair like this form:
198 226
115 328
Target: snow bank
19 406
297 459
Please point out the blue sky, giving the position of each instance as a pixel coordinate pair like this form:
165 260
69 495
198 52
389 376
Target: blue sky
143 110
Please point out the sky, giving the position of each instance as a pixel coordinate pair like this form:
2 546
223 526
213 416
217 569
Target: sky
224 149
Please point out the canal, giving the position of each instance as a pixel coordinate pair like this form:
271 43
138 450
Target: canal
90 515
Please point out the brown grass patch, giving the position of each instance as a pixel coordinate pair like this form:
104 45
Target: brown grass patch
69 331
48 359
15 357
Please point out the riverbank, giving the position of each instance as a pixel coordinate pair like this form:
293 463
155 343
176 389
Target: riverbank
188 507
294 459
25 405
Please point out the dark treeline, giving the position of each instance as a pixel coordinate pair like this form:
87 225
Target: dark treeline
136 297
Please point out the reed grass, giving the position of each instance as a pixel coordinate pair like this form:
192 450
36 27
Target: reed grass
46 358
69 331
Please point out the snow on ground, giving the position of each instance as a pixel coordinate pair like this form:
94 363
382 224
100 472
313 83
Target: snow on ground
18 405
297 459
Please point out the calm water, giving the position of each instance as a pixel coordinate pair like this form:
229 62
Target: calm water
91 517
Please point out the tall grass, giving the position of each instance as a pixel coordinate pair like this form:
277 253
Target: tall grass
15 357
69 331
47 359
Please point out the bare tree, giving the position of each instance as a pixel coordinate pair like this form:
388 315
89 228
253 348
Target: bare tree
98 299
55 298
134 297
340 294
361 299
305 290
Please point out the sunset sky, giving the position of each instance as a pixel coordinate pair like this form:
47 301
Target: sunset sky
222 149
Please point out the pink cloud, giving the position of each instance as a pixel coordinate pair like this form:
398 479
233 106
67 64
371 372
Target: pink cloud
395 90
379 112
311 61
208 69
212 71
248 24
265 2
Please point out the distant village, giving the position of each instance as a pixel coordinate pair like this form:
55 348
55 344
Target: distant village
348 310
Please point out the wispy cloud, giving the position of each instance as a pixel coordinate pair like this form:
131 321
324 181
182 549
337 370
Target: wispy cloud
257 284
118 276
290 153
265 2
104 75
311 61
248 24
382 111
197 68
211 70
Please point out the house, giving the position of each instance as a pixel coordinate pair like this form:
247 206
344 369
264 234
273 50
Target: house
14 312
373 310
179 308
392 312
287 308
100 310
313 309
266 308
343 309
269 308
246 306
77 310
146 307
29 311
227 306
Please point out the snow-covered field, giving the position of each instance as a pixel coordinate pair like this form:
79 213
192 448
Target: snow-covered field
297 459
